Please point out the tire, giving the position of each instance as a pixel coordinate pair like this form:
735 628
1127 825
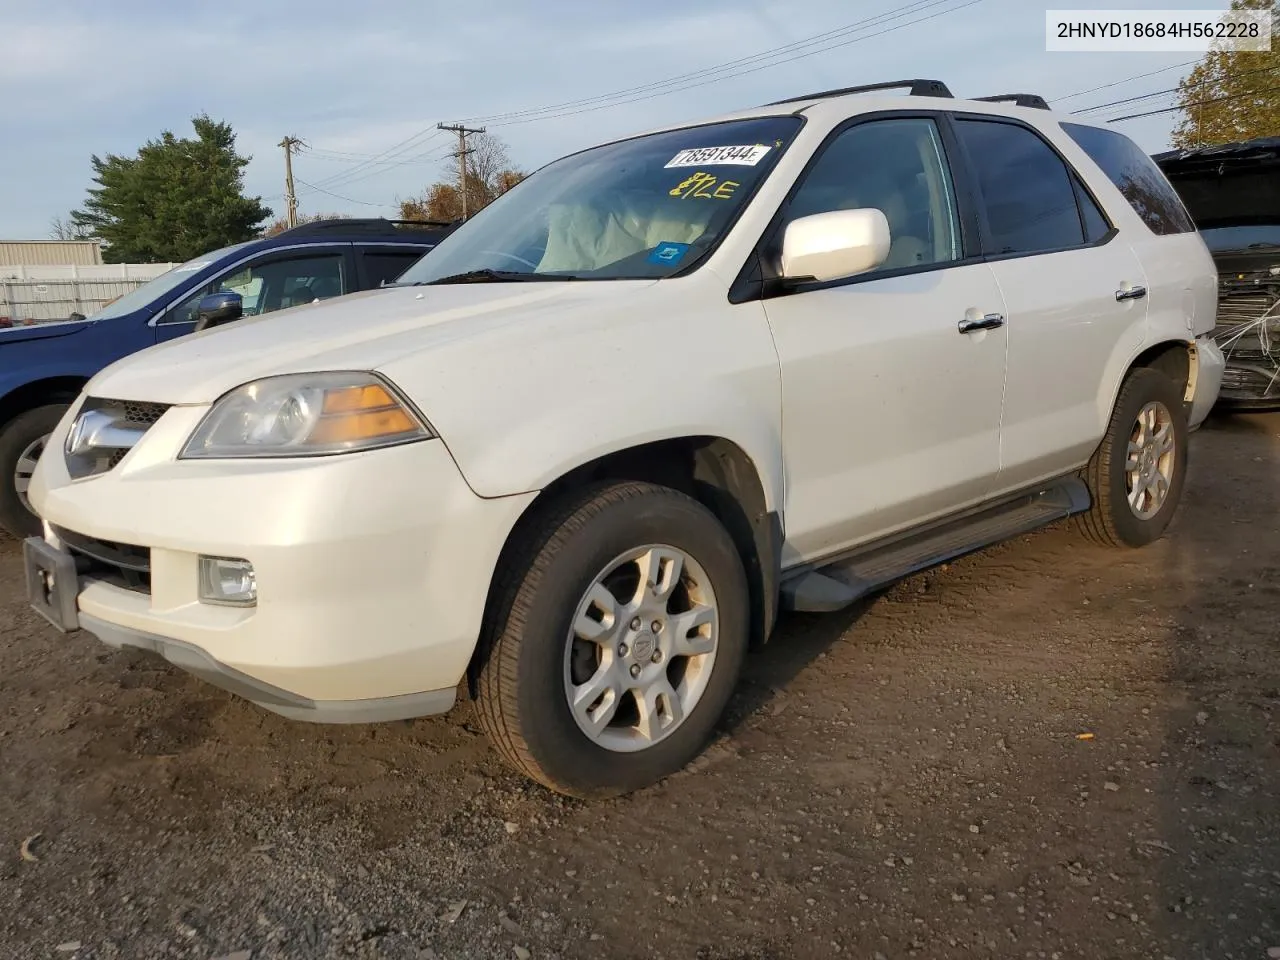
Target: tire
1112 520
16 437
531 658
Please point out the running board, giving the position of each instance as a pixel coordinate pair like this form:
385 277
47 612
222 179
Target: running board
838 584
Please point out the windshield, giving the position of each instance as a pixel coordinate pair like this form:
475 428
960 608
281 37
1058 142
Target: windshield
154 289
641 208
1252 236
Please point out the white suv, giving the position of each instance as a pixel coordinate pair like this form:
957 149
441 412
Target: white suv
576 460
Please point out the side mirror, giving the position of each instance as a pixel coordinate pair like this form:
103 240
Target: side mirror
217 309
834 245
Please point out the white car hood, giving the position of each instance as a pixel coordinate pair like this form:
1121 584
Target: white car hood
361 331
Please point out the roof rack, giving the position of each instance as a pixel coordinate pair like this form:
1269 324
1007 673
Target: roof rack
1033 100
369 225
916 88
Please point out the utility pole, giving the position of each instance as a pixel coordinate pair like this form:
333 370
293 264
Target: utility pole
291 199
462 132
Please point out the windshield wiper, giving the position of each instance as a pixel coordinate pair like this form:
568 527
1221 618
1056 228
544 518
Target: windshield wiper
1263 245
487 275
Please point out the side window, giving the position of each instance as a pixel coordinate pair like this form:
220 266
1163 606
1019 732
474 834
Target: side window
273 284
897 167
1095 221
1026 189
384 266
1136 176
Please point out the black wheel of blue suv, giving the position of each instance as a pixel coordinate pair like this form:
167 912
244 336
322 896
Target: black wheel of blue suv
21 443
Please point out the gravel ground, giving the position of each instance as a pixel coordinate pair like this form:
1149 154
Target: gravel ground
1046 750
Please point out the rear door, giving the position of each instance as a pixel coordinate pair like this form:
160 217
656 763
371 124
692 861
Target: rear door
380 264
1060 263
1182 280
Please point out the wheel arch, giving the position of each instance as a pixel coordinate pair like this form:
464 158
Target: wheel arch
37 393
716 472
1176 358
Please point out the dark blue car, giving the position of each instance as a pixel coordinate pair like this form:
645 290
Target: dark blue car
44 366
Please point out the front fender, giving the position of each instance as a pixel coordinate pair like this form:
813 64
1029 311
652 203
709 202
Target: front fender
520 410
553 444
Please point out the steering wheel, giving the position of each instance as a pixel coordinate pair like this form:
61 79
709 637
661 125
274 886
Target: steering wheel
512 256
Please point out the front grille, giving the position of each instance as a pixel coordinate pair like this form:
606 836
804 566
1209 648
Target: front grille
111 429
121 564
140 411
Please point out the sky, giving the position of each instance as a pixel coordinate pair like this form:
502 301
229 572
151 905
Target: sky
372 80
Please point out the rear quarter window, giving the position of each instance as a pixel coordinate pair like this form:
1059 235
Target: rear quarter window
1136 176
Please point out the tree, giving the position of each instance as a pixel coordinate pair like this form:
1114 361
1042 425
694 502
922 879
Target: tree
280 224
490 174
178 198
1232 95
61 228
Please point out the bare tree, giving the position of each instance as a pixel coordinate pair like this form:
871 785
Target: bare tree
490 174
62 228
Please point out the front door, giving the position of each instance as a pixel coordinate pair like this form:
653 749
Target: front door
273 281
891 410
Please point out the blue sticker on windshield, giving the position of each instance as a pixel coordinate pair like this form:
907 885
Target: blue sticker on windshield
668 253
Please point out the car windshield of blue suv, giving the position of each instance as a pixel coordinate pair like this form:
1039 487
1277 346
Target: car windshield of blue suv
637 209
154 289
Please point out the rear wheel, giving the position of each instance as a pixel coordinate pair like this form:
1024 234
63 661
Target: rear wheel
1135 476
22 441
615 642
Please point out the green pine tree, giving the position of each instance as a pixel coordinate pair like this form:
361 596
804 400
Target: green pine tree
1232 96
178 198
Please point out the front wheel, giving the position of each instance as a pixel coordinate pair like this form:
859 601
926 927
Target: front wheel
1135 476
22 441
616 639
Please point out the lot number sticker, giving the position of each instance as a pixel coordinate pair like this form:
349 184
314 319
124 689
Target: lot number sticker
742 156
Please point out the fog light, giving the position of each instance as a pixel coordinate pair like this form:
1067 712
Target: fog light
228 581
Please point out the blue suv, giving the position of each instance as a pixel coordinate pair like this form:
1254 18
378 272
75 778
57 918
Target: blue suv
44 366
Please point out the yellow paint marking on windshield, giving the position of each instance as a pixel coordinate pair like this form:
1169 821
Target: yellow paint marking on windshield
701 184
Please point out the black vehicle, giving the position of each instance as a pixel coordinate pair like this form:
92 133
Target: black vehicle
1232 191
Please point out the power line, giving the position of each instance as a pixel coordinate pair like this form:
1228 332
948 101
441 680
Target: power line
755 62
379 163
740 73
1198 103
435 156
394 150
1116 83
340 197
914 7
1178 89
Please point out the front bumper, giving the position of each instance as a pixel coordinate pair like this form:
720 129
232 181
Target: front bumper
372 569
1210 364
53 585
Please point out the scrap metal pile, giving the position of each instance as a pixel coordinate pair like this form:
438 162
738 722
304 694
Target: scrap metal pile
1232 191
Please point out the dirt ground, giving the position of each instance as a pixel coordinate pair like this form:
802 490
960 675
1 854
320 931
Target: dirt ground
911 778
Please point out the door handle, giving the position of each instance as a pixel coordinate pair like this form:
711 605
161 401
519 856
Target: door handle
989 322
1133 293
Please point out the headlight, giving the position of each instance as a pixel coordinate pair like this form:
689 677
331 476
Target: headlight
305 415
